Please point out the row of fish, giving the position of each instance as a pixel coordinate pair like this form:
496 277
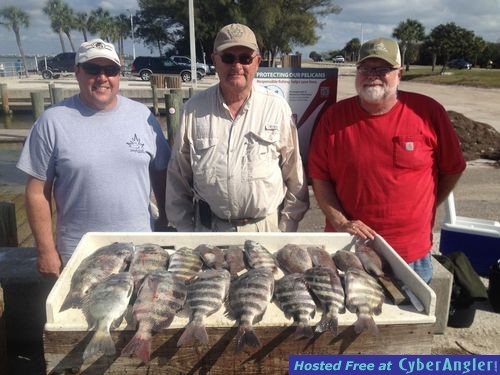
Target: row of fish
199 282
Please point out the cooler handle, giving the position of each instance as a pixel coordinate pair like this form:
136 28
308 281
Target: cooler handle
449 205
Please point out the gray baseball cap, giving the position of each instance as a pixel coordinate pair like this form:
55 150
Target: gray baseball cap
381 48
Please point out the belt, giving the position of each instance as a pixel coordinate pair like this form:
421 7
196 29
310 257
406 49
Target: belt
241 222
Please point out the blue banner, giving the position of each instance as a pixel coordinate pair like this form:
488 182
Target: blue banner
394 364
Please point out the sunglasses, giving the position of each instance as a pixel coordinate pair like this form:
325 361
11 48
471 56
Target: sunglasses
243 59
379 72
94 69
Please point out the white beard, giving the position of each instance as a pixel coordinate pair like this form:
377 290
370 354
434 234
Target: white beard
373 94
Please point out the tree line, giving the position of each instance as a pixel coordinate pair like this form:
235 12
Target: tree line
443 43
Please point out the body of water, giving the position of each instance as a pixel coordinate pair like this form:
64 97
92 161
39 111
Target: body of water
17 121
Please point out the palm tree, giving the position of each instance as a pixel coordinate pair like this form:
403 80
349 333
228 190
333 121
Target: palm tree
100 22
61 20
409 33
81 24
13 19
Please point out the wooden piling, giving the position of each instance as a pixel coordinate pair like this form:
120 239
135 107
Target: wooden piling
57 95
8 225
37 102
155 99
51 88
173 105
5 99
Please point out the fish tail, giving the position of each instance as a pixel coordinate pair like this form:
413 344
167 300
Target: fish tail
193 332
365 322
140 346
328 322
246 336
100 343
303 331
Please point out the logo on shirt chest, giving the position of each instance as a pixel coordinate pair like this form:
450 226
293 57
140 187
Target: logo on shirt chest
136 145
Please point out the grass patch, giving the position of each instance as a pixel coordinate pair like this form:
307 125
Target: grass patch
486 78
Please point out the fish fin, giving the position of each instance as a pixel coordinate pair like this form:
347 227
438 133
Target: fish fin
192 333
72 300
100 343
303 331
140 346
246 336
328 323
365 322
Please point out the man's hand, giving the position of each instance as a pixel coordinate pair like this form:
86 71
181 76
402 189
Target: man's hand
49 264
357 228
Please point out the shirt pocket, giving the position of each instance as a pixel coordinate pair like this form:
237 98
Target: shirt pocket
411 152
261 154
203 159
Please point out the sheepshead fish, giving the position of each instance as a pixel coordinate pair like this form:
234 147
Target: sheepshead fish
293 298
345 259
249 296
325 285
365 297
258 256
205 296
212 256
105 261
321 258
104 308
185 263
372 262
161 296
235 260
147 258
293 259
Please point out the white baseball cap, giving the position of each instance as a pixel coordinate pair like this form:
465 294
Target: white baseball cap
94 49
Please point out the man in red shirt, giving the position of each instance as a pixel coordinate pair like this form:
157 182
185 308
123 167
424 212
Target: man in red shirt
382 161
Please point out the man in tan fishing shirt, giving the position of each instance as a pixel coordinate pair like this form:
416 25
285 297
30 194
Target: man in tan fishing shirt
236 164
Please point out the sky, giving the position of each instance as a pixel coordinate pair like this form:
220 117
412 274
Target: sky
363 19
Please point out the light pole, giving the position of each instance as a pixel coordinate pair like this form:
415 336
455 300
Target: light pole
132 28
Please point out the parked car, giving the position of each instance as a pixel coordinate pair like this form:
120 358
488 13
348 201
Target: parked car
205 68
459 64
145 66
61 63
338 59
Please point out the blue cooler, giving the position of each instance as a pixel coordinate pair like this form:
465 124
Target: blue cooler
477 238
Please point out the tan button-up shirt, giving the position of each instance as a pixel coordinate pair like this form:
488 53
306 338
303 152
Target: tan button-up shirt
243 168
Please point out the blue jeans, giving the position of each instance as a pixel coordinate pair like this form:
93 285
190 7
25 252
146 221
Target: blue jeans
423 267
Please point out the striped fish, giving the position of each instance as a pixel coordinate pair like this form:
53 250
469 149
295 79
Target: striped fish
294 299
258 256
205 296
147 258
365 297
104 262
293 258
235 260
104 308
372 262
249 296
345 259
185 263
161 296
212 256
320 257
326 286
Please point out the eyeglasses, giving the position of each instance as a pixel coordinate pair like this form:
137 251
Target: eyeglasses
243 59
379 72
94 69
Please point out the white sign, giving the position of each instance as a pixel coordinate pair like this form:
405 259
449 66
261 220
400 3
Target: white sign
308 91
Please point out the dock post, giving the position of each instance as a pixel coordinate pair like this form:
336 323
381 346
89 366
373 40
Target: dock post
8 225
173 105
57 95
51 93
5 99
155 99
37 103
